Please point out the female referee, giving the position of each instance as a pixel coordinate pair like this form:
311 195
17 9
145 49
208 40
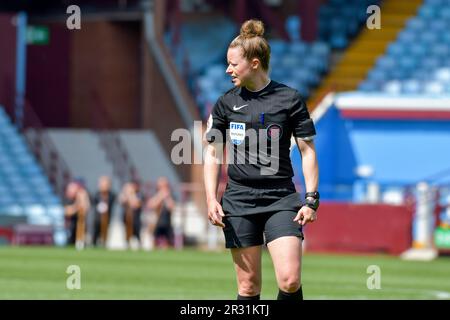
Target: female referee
260 204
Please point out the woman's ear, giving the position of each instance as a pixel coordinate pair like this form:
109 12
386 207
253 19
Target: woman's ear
255 63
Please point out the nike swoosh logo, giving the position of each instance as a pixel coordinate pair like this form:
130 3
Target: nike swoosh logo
237 108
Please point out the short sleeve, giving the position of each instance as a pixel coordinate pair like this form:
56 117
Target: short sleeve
301 123
216 126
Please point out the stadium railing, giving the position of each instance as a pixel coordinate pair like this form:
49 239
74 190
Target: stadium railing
45 151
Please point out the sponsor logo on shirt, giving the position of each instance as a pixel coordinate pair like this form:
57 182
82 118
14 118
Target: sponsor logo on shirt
240 107
237 132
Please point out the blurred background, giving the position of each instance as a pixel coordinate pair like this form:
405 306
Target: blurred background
97 91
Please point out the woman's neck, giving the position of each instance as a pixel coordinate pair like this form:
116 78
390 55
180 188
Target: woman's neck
258 83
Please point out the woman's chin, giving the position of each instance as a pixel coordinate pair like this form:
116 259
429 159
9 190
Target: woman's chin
236 82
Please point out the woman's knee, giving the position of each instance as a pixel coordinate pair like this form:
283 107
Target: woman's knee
249 285
289 283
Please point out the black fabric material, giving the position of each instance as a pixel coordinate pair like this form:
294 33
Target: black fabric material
165 219
164 225
277 107
109 199
257 297
298 295
259 229
239 199
71 222
136 217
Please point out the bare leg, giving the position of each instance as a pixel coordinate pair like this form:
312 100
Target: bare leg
286 253
247 263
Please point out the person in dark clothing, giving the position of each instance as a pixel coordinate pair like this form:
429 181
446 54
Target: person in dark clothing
163 204
71 212
132 199
103 200
255 122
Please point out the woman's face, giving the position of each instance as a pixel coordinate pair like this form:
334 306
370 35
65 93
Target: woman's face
239 68
71 190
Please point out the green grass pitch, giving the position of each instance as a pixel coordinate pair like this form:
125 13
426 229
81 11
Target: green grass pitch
40 273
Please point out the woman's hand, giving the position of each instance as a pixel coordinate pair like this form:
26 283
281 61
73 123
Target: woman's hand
215 213
305 215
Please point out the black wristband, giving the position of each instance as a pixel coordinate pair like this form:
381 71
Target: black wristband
313 204
314 194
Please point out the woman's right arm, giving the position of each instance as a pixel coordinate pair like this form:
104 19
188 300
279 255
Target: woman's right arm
211 175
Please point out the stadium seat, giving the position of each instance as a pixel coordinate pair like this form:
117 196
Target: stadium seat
416 24
434 87
292 26
429 38
34 210
407 36
40 220
278 47
377 75
320 49
298 48
396 49
367 86
7 199
417 50
427 12
411 86
392 87
442 74
14 210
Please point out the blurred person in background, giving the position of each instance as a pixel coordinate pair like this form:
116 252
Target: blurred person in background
163 204
103 200
76 208
132 200
260 204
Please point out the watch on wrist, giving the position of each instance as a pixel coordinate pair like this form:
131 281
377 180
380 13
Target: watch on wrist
312 203
313 194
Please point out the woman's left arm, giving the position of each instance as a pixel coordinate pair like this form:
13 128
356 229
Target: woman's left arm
310 170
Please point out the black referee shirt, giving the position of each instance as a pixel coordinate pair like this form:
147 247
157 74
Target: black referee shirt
254 125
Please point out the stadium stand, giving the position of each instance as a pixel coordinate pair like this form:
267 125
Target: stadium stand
25 190
417 61
82 152
341 20
360 57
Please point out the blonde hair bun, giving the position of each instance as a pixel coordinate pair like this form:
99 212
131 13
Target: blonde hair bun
252 28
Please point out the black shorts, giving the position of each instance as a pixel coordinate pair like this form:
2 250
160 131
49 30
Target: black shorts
259 214
258 229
